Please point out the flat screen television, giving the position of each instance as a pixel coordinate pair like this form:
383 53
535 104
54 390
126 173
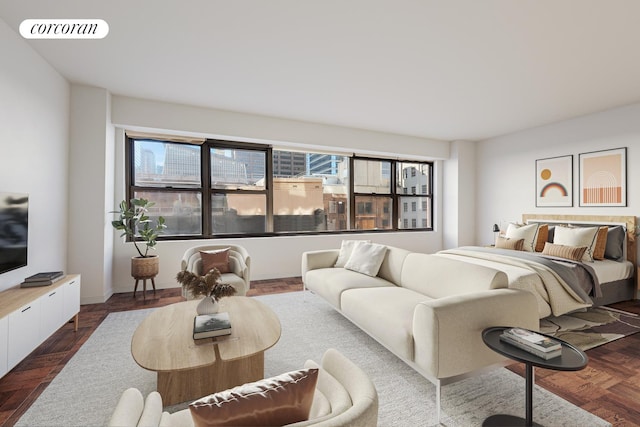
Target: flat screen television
14 225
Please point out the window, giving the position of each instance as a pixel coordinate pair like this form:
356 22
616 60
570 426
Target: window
238 190
372 188
415 176
168 174
309 191
211 188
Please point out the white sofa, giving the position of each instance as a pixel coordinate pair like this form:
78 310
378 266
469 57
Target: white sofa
428 310
344 396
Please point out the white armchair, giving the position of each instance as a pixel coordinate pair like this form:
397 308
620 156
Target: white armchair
344 396
239 263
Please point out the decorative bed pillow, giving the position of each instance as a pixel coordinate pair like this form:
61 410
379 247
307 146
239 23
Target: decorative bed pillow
506 243
577 236
543 234
615 243
215 259
527 232
276 401
366 258
345 251
601 243
574 253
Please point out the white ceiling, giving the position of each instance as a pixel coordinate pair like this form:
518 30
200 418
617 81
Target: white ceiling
445 69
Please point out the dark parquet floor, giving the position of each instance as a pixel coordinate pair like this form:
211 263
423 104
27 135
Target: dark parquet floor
609 387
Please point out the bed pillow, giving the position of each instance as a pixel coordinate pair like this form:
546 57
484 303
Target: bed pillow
527 232
276 401
366 258
543 234
574 253
552 230
345 251
601 243
506 243
577 236
615 243
215 259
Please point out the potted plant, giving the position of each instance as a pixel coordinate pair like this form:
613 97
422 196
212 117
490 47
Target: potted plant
208 286
133 220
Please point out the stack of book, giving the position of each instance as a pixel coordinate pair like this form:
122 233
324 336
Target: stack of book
539 345
211 325
42 279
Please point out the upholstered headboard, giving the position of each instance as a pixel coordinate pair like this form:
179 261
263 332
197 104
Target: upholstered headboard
629 222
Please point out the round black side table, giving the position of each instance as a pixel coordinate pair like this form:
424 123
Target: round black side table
571 359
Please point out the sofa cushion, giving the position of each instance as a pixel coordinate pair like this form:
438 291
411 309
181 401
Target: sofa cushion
329 283
279 400
366 258
391 268
437 276
346 248
386 314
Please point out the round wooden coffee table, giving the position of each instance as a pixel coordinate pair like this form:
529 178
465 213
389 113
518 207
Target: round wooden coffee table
189 369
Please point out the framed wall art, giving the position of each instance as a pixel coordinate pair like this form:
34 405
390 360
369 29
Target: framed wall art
603 178
554 181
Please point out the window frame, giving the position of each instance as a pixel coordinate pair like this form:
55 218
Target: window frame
206 190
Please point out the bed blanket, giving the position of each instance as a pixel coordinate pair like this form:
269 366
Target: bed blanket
565 284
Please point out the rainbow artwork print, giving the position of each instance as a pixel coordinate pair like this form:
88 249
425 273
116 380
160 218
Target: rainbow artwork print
554 181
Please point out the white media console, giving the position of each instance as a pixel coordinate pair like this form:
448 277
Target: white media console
28 316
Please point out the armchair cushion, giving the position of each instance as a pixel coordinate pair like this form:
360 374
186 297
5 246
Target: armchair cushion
275 401
215 259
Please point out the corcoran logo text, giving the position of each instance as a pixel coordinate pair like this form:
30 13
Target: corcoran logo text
64 29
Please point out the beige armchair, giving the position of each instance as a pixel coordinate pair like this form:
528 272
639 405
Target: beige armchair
344 396
239 262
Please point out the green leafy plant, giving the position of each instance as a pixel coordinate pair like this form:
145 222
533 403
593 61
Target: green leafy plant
134 222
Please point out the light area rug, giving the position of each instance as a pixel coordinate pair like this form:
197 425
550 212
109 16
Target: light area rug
592 327
85 392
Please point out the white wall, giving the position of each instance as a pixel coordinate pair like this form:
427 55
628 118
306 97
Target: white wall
506 165
91 188
133 113
459 198
34 135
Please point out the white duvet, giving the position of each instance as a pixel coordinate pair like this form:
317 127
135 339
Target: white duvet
554 295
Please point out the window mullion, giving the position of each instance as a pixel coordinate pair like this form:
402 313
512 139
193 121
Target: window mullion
205 161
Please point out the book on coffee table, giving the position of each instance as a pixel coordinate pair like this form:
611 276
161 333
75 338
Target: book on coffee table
211 325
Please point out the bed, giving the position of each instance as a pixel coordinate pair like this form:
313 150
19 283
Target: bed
564 285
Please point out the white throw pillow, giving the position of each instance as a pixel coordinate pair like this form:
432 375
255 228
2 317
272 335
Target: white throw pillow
577 236
366 258
527 232
345 251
